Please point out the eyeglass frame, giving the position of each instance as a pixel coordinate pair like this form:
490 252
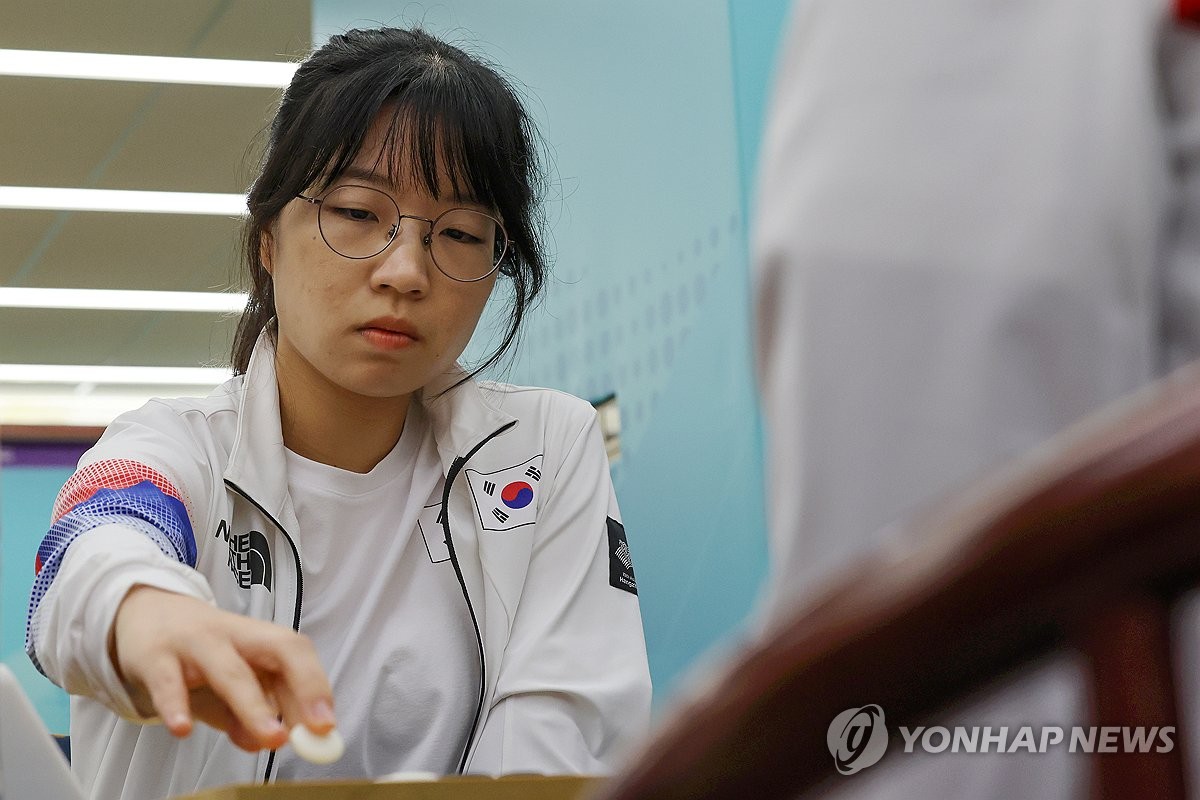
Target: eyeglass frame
426 240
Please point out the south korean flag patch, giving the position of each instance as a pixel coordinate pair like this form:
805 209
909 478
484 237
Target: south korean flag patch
507 498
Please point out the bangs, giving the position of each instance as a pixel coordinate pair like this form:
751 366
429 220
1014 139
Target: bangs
431 136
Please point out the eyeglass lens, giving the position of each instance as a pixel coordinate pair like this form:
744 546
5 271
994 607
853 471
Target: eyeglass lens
360 222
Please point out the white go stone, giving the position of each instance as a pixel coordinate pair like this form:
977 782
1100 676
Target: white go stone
317 749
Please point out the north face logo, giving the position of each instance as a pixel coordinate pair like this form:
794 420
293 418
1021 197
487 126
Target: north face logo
250 559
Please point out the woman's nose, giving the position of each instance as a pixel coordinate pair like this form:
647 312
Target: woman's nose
404 266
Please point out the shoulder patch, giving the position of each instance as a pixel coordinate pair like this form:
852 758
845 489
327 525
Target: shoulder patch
507 498
620 564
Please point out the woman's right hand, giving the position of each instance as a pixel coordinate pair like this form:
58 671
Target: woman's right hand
182 658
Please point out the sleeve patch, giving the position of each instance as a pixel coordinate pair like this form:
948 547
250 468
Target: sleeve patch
620 563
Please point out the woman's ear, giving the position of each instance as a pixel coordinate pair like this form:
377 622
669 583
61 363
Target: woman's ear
266 251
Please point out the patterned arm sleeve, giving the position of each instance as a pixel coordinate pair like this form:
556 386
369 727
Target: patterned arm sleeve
101 493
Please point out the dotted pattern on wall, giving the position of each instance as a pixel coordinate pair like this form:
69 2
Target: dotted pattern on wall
620 328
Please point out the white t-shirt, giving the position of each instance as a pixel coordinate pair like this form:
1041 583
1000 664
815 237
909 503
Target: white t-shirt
385 610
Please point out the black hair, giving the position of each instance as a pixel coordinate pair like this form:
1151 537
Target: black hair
448 109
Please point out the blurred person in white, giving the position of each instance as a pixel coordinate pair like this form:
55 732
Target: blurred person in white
977 222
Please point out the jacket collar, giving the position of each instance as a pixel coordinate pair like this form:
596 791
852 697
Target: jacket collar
256 461
460 417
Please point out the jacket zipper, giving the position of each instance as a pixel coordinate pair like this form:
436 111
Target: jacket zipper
299 585
456 467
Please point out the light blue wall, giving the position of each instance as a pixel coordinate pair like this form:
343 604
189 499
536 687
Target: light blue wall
645 104
26 497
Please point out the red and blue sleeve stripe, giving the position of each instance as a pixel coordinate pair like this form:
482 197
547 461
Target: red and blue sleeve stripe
104 492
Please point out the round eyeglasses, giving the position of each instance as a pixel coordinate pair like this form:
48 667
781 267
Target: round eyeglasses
360 222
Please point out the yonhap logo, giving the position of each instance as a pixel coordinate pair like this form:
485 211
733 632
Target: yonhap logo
857 738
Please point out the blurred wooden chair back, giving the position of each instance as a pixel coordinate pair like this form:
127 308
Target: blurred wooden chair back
1086 544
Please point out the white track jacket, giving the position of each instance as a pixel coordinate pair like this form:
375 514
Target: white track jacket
550 585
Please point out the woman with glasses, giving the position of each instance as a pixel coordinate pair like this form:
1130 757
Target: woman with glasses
354 531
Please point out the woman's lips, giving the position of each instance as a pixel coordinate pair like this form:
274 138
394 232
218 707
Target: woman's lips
386 339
